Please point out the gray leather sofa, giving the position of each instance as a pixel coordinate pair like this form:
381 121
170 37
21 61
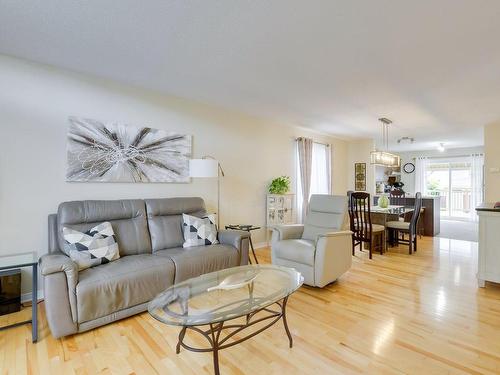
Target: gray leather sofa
150 238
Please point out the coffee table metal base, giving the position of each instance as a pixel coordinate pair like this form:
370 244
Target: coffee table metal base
214 330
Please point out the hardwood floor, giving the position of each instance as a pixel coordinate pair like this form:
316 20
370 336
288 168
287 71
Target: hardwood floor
418 314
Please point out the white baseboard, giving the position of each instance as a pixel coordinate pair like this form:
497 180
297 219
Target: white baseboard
26 297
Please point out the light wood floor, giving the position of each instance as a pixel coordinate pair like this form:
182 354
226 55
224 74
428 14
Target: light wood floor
419 314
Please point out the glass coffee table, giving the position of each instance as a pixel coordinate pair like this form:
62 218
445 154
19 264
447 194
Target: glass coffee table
252 297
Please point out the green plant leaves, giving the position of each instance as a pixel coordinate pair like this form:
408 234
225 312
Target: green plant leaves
280 185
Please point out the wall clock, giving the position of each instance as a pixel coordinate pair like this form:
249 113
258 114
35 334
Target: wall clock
409 168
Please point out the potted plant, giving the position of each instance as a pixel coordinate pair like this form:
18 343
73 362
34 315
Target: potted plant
280 185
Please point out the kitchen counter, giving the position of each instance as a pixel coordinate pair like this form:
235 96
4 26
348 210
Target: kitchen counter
487 207
488 268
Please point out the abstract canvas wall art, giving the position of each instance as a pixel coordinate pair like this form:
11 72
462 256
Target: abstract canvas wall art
114 152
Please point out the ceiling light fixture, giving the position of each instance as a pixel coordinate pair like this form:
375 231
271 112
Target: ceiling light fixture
385 158
441 147
406 139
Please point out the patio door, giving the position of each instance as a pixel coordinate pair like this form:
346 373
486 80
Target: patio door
452 179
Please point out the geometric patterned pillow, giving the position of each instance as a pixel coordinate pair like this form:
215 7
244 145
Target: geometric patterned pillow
92 248
199 231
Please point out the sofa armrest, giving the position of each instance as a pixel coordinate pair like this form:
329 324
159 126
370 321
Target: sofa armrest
287 232
333 256
239 239
58 262
58 268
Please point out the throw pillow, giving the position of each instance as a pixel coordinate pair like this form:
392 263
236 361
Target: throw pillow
92 248
199 231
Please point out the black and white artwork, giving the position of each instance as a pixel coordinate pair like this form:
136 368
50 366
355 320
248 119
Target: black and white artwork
114 152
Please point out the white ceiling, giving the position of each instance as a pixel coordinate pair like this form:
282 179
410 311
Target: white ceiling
433 67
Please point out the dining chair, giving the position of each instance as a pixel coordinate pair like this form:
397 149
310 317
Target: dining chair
397 198
421 223
402 227
363 231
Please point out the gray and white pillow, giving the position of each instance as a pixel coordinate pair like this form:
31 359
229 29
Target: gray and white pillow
199 231
92 248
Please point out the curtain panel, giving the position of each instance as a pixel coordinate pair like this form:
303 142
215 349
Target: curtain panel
304 148
421 164
477 183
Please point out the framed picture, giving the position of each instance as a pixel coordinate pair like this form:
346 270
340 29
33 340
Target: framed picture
115 152
360 176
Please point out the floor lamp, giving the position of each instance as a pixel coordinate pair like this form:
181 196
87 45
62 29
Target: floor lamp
208 167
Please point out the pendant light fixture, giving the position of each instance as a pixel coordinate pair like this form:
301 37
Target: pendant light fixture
385 158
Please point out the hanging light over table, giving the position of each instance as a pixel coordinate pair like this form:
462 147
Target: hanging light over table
385 158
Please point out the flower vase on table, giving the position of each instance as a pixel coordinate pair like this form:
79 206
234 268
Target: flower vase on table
383 201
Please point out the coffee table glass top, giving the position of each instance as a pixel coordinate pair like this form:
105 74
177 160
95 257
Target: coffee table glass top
18 260
224 295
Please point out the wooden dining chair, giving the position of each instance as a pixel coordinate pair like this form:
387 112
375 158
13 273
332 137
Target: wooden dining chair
363 231
395 228
397 197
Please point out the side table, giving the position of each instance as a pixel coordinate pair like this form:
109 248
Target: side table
246 228
13 261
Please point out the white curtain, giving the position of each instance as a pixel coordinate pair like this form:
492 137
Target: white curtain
304 152
477 183
320 171
421 165
319 176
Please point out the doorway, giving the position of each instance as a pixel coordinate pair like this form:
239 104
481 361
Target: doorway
452 181
458 181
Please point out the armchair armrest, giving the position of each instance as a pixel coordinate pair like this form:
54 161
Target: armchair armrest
335 234
287 232
239 239
333 256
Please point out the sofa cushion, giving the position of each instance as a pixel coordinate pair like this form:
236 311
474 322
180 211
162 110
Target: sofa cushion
165 219
199 231
128 218
124 283
197 260
92 248
300 251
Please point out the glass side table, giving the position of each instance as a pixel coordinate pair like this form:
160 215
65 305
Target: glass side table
22 260
249 229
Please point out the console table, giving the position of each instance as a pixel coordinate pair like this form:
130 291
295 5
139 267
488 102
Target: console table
14 261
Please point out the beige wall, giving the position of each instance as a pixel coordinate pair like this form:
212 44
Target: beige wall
359 152
35 102
492 162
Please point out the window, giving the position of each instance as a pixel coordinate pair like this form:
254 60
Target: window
320 173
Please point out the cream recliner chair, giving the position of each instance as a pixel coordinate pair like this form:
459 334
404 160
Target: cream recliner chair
321 248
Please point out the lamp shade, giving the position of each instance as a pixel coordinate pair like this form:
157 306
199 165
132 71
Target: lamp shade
385 159
203 168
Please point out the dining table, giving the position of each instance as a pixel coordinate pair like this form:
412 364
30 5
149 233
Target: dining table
381 215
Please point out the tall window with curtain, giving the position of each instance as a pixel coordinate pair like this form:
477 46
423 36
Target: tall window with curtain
313 172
